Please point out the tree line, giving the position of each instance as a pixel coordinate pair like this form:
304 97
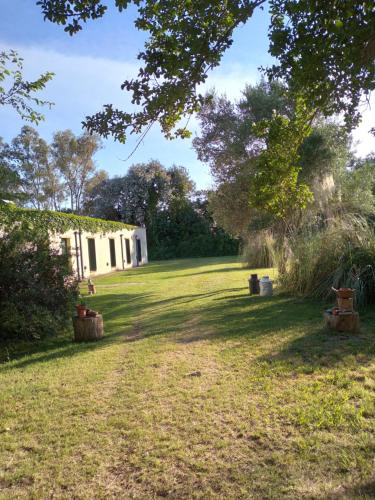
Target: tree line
49 176
62 176
178 219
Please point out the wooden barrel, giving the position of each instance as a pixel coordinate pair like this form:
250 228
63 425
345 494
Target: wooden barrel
86 329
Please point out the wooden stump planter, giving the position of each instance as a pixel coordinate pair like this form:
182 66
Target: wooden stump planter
88 328
343 318
342 321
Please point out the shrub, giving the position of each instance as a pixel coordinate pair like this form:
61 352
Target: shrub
37 289
340 254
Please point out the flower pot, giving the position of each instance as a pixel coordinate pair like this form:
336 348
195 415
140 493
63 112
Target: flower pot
344 293
81 310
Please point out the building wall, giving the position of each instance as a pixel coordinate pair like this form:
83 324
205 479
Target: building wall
79 250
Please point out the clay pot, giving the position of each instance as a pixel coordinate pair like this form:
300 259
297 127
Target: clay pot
81 310
345 293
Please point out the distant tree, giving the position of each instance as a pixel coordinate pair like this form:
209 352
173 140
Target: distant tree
357 188
187 229
178 221
325 51
145 190
19 93
180 185
30 156
10 181
105 200
55 190
73 158
97 179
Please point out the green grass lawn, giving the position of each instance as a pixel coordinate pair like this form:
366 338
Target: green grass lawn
197 391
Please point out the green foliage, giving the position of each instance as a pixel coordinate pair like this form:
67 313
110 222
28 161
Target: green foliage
358 188
17 92
37 289
275 186
326 151
10 181
267 158
57 222
177 219
187 229
325 52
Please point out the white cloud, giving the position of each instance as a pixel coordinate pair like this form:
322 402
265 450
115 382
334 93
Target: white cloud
82 85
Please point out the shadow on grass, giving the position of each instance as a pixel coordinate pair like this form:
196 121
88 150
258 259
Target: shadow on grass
365 490
234 316
118 314
323 347
247 319
172 266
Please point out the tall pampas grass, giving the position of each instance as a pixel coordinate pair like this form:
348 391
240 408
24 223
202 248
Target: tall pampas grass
259 249
341 253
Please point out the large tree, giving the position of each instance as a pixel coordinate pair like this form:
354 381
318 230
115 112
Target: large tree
137 196
251 191
73 157
178 221
10 181
325 52
30 155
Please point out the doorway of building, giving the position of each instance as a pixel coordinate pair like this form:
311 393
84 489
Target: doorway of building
139 251
112 251
92 254
127 251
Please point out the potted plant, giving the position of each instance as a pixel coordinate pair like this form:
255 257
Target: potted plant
81 309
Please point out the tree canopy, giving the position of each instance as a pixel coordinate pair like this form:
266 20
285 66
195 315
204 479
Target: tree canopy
178 221
325 52
44 175
258 178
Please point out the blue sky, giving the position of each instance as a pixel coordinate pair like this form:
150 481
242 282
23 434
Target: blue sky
91 66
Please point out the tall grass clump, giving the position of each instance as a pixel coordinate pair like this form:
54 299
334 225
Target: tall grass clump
341 253
259 249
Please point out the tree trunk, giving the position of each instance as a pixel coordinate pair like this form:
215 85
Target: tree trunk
86 329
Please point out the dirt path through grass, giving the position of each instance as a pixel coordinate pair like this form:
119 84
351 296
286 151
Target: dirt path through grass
197 391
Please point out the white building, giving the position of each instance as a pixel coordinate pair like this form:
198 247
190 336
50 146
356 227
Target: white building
95 253
95 246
